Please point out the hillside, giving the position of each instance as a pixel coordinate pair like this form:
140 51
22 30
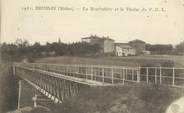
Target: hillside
119 99
124 99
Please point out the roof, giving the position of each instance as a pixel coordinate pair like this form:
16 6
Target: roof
123 45
106 38
91 38
98 38
136 41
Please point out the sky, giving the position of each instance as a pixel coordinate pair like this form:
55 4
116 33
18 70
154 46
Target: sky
163 27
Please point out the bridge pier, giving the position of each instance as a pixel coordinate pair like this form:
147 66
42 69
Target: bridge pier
14 71
35 100
19 94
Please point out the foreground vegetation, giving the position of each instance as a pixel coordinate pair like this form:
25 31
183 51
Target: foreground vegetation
119 99
8 89
124 99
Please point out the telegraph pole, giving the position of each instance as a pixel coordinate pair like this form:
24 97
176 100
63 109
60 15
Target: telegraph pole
19 95
0 30
0 49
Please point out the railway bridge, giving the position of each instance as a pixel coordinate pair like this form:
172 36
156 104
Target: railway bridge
61 81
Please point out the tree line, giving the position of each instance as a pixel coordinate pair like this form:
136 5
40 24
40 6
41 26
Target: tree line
166 49
22 49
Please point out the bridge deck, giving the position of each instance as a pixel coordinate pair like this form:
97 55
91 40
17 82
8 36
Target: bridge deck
69 78
109 75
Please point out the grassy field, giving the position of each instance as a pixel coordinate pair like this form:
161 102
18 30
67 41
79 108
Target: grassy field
152 60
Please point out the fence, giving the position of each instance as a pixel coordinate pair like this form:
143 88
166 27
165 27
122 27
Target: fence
117 74
163 75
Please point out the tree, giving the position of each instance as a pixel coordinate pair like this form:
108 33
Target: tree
21 49
35 50
160 48
9 52
179 49
21 43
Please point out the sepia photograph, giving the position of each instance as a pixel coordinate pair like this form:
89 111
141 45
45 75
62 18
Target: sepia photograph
92 56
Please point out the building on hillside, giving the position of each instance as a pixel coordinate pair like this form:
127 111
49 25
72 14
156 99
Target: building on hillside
106 44
139 45
146 52
92 39
124 49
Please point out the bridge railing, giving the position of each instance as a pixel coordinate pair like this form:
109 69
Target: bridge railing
117 74
171 76
104 74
